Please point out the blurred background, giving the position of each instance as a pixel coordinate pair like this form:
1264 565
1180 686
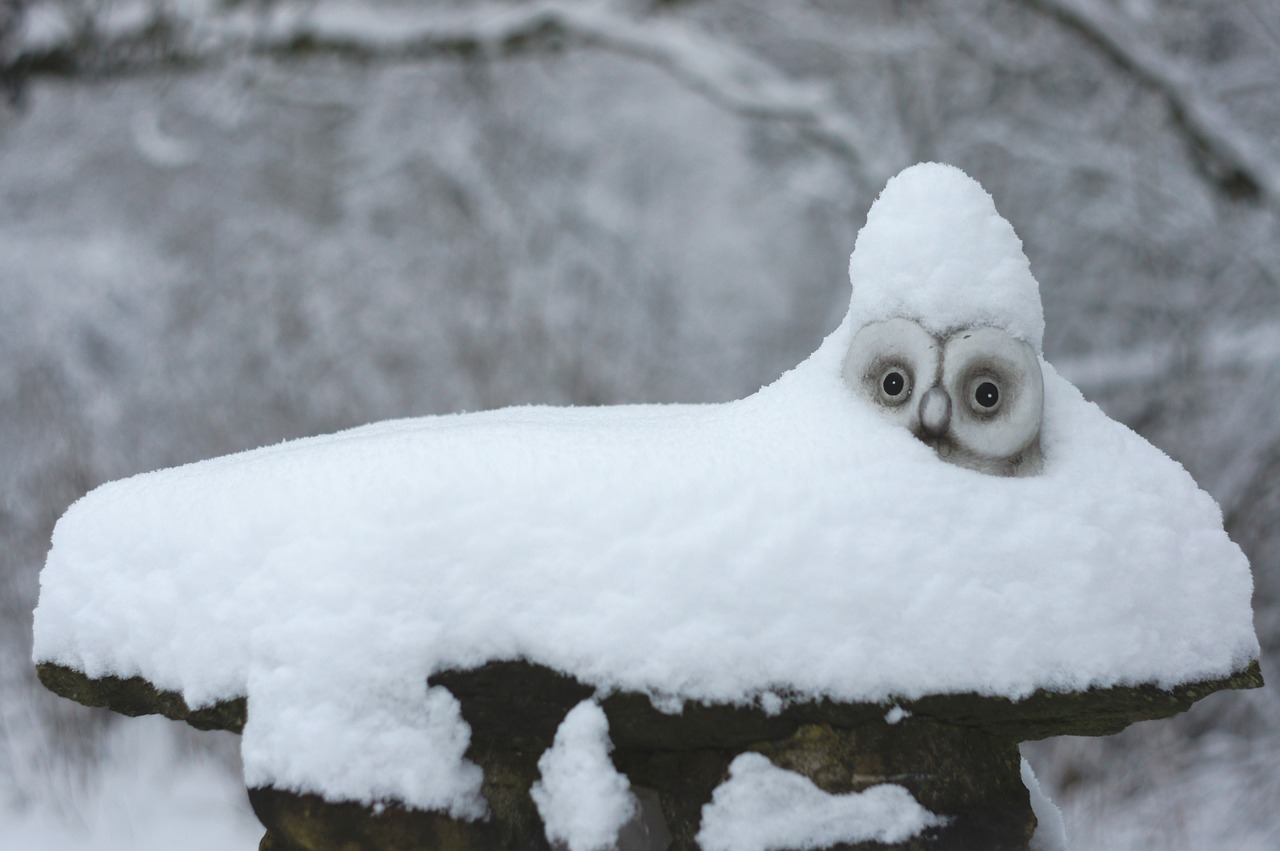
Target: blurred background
225 223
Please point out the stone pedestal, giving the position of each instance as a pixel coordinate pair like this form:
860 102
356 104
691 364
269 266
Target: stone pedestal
957 754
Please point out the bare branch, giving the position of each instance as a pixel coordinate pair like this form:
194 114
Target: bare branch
723 73
1236 162
1256 347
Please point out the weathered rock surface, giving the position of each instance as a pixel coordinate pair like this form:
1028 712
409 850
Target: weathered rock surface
134 696
957 754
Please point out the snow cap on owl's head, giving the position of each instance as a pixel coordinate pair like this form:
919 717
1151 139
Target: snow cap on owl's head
935 250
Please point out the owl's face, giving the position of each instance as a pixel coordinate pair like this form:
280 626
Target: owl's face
976 396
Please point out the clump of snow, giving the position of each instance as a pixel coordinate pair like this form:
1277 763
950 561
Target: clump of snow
583 800
1051 832
896 714
384 738
793 542
762 807
935 250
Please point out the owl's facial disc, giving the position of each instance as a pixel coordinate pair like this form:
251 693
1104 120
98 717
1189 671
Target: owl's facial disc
892 364
998 390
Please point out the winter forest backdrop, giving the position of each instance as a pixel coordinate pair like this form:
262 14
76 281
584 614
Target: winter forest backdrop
226 223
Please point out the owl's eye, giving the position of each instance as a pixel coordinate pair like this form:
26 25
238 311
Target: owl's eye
883 362
987 395
984 394
895 386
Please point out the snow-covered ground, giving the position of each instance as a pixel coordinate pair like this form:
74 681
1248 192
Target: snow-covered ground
151 792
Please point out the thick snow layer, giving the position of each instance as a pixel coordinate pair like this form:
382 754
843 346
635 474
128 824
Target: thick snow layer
790 542
583 800
762 807
935 250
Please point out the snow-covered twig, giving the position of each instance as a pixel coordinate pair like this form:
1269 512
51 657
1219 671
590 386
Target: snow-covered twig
1227 349
1236 161
724 73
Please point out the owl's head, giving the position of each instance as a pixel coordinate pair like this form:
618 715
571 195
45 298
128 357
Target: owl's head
948 322
975 395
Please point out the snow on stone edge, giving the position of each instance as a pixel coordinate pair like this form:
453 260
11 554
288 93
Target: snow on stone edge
1051 831
583 800
763 808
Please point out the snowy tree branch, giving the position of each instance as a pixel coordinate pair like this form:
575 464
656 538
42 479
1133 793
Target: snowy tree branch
1235 161
723 73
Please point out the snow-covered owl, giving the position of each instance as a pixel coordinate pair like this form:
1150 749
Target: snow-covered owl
976 396
949 322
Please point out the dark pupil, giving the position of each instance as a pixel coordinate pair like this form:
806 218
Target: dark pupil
894 383
987 394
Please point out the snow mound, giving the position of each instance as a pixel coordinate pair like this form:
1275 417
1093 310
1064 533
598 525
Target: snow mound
792 542
762 808
935 250
583 800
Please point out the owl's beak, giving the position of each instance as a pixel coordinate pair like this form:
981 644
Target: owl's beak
935 412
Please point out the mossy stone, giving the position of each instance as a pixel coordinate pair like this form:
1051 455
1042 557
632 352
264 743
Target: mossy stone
956 753
134 696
